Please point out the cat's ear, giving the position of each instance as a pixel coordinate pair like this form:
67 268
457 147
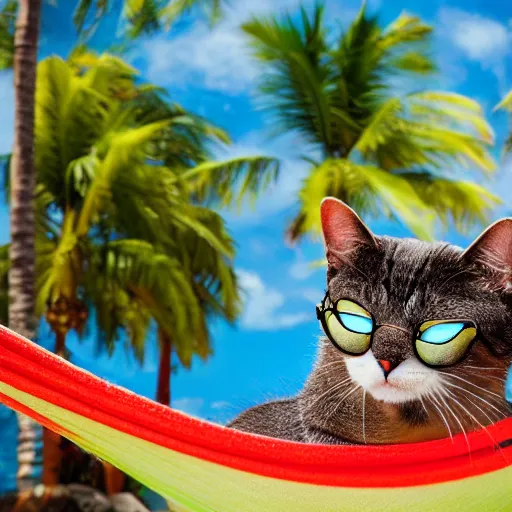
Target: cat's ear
494 248
343 231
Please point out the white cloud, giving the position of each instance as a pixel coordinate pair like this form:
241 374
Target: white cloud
313 295
301 270
6 112
217 58
221 404
480 38
189 405
263 306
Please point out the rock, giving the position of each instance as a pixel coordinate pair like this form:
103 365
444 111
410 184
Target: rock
71 498
126 502
59 501
89 499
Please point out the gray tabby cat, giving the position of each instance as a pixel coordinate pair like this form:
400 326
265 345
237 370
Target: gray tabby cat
399 380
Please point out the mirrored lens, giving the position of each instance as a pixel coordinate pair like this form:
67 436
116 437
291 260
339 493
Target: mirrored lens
444 343
356 323
351 331
441 333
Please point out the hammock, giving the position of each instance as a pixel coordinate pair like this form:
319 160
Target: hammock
199 466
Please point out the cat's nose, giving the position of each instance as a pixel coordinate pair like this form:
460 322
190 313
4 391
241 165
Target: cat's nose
386 366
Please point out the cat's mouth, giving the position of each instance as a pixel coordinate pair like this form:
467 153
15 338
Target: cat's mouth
389 385
409 381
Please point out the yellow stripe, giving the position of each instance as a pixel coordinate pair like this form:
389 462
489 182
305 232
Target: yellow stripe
195 485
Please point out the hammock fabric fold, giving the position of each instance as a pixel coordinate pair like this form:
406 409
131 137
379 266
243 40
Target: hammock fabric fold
199 466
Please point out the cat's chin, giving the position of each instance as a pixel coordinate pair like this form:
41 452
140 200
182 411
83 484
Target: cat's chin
409 381
392 393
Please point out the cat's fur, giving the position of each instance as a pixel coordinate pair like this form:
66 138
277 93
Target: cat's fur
402 282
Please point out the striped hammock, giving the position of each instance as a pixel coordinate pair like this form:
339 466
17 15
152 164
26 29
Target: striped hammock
198 466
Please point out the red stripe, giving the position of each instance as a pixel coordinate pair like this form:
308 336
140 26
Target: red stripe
32 369
42 420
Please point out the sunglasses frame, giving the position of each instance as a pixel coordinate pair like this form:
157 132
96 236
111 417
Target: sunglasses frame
321 310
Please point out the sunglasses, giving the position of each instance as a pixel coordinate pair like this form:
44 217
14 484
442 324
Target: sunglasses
436 343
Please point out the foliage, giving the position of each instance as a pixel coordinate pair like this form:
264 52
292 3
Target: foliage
117 166
506 104
382 153
141 16
7 26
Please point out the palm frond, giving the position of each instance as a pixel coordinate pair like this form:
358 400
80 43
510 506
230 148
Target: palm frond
404 30
413 62
463 202
69 118
87 9
215 281
123 150
294 79
372 191
157 281
177 8
505 103
232 181
508 144
7 28
453 116
450 99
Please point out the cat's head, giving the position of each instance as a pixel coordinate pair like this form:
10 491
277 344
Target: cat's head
421 339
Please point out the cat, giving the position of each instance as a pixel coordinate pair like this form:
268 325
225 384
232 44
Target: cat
388 395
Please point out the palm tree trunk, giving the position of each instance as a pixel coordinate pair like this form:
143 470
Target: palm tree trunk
29 453
60 343
22 317
163 394
52 452
52 457
114 479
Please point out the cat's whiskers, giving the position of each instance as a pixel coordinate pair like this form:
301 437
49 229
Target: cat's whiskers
342 399
450 410
451 375
491 421
484 412
423 405
489 377
327 372
480 367
330 365
431 397
452 385
364 416
332 389
495 444
472 416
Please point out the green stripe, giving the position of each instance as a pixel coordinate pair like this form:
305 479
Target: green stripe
194 485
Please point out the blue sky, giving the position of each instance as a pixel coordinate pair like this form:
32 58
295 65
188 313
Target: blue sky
271 350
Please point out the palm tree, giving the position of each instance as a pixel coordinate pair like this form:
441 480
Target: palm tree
382 152
18 48
19 33
21 317
116 228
